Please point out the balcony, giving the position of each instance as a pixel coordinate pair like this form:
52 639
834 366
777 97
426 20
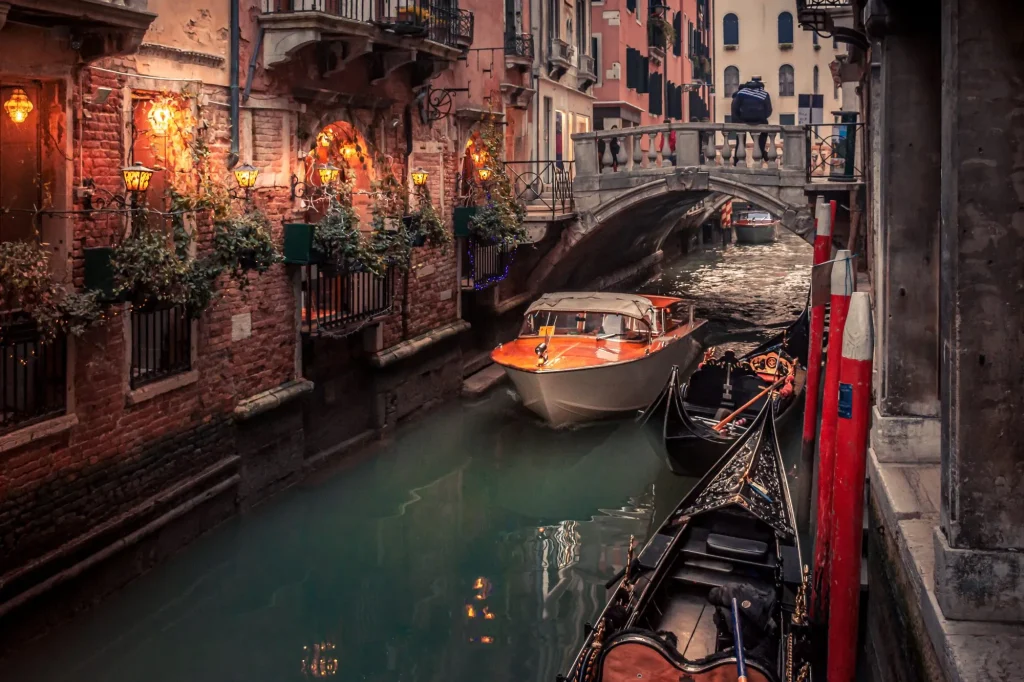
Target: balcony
826 16
586 72
33 373
363 26
105 27
560 58
518 50
340 302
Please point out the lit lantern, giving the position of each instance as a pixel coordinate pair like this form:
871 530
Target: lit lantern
325 138
246 175
329 174
419 177
484 173
19 106
136 178
160 116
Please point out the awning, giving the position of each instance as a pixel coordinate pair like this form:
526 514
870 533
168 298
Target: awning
593 302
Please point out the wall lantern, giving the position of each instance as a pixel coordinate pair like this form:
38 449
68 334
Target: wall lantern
325 138
419 177
245 176
136 178
160 116
329 174
484 173
19 106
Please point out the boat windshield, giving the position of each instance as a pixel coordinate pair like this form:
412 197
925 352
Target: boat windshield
594 325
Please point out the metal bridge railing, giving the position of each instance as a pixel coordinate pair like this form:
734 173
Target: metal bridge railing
543 186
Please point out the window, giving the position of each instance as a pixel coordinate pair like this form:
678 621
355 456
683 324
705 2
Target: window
732 80
815 80
835 43
632 73
786 86
581 27
553 19
835 89
20 156
785 28
161 343
787 119
730 30
595 50
654 96
631 6
677 26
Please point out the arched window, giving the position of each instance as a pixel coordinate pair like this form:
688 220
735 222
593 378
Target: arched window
785 28
815 80
786 85
732 80
730 30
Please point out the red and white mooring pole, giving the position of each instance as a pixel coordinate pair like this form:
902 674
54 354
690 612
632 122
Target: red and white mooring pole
822 253
848 490
842 287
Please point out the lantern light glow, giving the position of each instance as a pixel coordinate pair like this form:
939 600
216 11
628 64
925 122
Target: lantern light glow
329 174
484 173
246 175
19 106
160 116
419 177
136 178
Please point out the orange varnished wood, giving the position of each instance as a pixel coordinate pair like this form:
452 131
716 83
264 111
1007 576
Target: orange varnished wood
576 352
635 662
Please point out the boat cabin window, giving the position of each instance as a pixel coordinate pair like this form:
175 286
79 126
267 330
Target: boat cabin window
594 325
678 315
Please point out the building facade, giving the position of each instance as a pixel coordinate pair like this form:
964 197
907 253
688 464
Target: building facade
654 61
763 39
165 416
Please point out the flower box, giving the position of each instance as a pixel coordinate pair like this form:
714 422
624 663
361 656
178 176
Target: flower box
461 218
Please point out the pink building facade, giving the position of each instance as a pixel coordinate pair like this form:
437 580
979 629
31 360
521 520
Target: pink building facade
654 61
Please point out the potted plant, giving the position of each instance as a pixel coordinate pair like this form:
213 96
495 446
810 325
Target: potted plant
425 225
243 244
500 219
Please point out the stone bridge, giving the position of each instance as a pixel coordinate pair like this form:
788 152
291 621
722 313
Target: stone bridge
632 190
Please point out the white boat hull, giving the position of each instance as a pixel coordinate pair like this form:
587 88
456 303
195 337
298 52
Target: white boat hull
756 234
580 395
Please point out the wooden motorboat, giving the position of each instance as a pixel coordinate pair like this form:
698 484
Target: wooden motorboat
755 227
590 355
732 537
683 422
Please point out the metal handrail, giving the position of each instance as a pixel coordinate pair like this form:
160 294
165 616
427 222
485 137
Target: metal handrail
832 152
335 300
519 45
33 372
547 184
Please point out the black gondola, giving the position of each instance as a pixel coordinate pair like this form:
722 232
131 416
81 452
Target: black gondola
679 421
733 536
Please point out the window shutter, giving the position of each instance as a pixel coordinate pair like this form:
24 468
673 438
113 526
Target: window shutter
677 43
645 75
630 69
631 6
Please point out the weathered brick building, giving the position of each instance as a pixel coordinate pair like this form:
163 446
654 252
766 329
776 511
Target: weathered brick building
121 445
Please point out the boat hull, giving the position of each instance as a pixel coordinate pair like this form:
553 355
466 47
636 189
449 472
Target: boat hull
614 389
756 234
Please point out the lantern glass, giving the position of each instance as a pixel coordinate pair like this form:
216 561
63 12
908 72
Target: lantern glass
19 106
136 178
419 177
246 175
160 116
329 174
484 173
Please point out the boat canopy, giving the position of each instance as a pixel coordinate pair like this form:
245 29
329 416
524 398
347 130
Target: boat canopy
630 305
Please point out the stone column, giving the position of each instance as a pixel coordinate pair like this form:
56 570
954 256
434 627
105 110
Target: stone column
905 141
979 566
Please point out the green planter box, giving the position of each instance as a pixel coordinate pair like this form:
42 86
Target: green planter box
461 219
298 243
99 274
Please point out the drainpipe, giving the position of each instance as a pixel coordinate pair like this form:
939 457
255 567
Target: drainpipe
252 65
536 20
234 58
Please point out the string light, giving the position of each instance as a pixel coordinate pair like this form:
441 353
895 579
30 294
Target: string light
494 279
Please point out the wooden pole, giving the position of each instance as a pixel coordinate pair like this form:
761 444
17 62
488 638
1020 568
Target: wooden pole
721 425
848 490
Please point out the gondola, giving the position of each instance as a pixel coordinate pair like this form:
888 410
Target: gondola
732 537
680 421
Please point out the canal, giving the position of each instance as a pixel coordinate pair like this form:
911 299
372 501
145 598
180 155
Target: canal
471 545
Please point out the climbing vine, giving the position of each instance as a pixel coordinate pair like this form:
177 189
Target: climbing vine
500 220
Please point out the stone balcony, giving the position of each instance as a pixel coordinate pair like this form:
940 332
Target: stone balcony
102 27
358 27
561 56
586 72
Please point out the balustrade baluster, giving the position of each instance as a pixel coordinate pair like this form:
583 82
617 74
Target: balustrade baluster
606 155
711 149
726 148
756 151
741 148
652 151
638 152
666 148
773 153
620 156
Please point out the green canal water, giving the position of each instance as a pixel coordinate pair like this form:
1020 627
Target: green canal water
470 546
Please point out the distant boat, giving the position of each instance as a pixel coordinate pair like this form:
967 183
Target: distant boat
589 355
756 227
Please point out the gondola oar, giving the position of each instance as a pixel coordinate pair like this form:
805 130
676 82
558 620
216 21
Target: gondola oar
721 425
741 664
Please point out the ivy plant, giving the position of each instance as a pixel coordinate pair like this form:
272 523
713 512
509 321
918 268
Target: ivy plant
500 220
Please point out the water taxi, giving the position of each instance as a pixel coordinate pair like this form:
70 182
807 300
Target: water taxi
587 355
756 227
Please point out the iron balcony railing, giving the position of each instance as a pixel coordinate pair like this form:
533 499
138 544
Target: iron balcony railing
161 343
543 186
519 45
832 152
334 300
441 23
33 373
821 4
485 264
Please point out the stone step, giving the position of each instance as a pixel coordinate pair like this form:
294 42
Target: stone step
483 381
474 361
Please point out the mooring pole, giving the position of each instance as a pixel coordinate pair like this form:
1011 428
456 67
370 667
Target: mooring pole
822 253
839 305
848 490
